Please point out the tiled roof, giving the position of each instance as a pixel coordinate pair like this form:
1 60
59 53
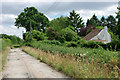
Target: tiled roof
93 33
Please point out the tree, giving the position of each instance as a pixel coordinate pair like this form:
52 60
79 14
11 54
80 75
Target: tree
68 34
111 23
87 23
102 21
32 19
59 23
75 20
35 36
118 23
14 39
93 21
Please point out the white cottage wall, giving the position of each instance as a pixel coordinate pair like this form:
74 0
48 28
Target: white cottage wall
103 35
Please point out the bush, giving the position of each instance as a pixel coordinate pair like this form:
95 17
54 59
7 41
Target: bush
114 45
34 36
52 34
68 34
52 42
71 44
38 35
90 44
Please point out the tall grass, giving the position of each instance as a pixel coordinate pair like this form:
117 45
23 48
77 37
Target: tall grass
4 50
99 54
72 67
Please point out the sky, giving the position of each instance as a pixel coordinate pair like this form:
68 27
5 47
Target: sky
10 9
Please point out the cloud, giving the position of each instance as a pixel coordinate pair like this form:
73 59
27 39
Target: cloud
11 30
87 14
56 8
8 19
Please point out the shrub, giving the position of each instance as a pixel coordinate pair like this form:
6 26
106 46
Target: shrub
38 35
52 42
72 44
51 33
33 36
68 34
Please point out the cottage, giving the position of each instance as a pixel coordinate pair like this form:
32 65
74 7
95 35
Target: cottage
101 35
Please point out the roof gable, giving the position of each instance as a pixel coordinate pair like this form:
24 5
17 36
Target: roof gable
93 33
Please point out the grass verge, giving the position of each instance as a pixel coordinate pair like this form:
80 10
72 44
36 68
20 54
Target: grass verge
3 57
72 67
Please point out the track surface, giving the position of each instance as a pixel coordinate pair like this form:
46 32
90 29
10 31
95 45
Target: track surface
21 65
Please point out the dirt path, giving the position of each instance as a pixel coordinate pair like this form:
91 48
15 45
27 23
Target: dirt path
22 65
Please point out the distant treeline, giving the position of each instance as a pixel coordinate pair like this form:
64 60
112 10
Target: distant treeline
11 39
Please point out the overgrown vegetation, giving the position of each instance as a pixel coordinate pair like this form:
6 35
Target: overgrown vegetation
61 38
100 54
7 42
4 50
81 67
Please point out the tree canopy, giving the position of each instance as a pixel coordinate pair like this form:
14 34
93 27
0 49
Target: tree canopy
59 23
118 24
111 23
31 18
75 20
94 21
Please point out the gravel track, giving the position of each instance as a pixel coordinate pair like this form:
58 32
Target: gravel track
21 65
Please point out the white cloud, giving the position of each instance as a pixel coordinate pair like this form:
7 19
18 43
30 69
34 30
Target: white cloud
13 26
87 14
9 18
11 30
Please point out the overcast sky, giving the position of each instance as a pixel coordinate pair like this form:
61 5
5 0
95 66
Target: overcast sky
56 8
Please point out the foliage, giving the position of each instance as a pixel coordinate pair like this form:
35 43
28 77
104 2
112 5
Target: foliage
103 21
100 54
118 24
33 35
32 19
4 50
93 21
68 34
71 44
85 30
72 67
38 35
99 27
12 38
114 44
59 23
51 33
52 42
75 20
111 23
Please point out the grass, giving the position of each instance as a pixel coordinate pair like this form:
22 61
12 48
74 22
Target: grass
72 67
4 50
100 54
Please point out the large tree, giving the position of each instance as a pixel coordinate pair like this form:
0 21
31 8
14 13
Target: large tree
111 23
59 23
75 20
118 23
30 18
93 21
102 21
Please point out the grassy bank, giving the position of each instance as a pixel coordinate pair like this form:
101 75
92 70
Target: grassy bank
99 54
72 67
4 50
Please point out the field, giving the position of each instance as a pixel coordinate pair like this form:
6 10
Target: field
77 62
